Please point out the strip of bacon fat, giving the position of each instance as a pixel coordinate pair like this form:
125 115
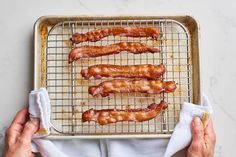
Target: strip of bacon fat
97 51
98 34
130 86
126 71
107 116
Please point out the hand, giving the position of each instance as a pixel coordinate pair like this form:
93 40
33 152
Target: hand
19 135
203 140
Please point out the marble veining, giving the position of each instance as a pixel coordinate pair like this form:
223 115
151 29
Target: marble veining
213 83
85 6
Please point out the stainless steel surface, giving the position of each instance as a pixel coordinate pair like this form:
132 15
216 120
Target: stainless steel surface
68 91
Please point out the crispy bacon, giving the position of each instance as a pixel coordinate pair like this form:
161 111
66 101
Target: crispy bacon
129 86
96 51
127 71
98 34
107 116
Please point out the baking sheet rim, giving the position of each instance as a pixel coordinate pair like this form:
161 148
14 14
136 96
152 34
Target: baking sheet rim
121 136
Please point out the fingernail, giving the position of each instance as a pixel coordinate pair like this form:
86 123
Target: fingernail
35 121
197 121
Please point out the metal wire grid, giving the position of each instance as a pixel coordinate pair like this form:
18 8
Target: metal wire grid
68 91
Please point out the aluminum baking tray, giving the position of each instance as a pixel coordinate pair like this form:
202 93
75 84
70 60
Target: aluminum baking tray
68 91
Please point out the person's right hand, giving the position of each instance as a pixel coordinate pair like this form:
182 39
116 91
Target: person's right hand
19 135
203 140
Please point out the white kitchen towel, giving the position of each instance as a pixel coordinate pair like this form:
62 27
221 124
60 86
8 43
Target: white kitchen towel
134 147
182 136
67 148
115 147
39 107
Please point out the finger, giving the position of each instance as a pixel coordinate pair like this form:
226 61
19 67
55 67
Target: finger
16 127
197 136
30 128
20 117
210 135
32 155
197 129
13 132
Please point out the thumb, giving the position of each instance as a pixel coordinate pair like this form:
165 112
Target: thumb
30 128
197 130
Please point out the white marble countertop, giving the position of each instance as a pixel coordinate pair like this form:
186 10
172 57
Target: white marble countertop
217 21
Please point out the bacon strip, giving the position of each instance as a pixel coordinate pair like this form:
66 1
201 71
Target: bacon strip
127 71
98 34
129 86
107 116
96 51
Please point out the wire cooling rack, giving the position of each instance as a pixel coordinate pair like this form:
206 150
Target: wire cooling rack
68 91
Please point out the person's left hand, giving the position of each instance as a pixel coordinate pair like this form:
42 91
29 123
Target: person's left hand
19 135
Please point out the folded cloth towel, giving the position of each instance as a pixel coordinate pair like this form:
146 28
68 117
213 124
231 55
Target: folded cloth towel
40 107
182 136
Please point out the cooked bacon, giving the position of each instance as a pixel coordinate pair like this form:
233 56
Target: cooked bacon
129 86
98 34
96 51
127 71
107 116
